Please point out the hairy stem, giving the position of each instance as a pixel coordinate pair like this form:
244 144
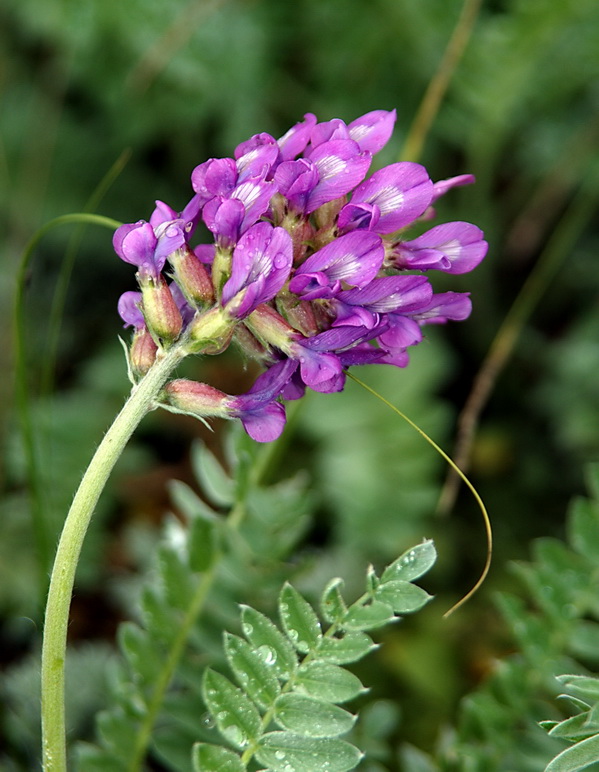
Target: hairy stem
62 579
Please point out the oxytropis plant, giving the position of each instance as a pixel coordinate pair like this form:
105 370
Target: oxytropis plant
310 270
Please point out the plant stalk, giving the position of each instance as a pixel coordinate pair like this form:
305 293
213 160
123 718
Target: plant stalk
140 402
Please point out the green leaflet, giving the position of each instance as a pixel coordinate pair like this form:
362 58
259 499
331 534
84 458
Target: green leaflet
579 756
284 751
310 717
328 682
350 648
299 620
272 646
252 670
332 605
375 614
236 716
412 564
403 597
213 758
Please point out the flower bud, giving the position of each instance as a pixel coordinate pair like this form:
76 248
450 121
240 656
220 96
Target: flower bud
192 277
143 352
299 313
210 332
197 399
161 313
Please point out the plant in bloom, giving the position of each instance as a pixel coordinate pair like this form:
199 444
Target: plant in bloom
312 267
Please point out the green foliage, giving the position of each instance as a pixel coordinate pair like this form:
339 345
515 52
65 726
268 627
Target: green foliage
291 678
556 629
286 713
202 568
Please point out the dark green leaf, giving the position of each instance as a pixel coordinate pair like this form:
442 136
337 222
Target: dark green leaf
283 751
310 717
270 644
328 682
299 620
412 564
236 716
254 675
213 758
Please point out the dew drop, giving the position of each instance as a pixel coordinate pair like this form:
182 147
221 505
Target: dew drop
280 755
208 721
247 629
267 654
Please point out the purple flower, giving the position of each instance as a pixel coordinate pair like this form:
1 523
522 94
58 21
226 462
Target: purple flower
229 217
455 247
355 259
129 310
259 269
296 180
320 365
263 418
385 295
147 248
391 199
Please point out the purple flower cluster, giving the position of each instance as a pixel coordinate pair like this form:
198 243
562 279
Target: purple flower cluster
310 269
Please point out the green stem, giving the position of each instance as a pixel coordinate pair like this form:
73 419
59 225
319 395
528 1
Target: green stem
139 403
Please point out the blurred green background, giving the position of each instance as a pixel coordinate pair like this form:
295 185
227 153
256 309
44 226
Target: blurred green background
159 87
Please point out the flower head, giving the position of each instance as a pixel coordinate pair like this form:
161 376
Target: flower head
312 267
